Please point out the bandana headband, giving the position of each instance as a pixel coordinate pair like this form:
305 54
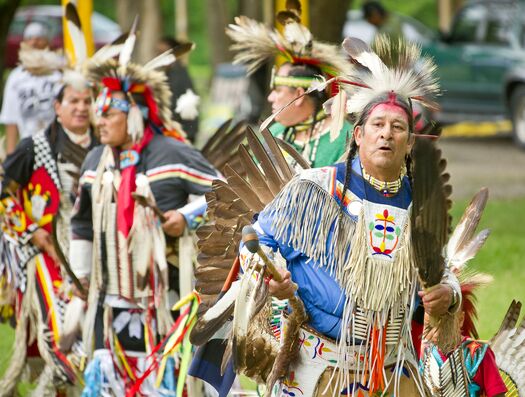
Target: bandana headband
291 81
106 101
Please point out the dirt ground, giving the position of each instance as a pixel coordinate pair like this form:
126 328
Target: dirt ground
494 162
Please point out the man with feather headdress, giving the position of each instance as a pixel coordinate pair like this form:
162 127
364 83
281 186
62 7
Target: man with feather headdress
345 233
305 125
39 188
118 243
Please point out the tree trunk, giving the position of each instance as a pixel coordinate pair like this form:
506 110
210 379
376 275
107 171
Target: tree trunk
149 25
251 8
327 19
7 13
217 19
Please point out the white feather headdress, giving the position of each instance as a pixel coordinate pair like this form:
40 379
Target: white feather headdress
255 43
394 67
146 80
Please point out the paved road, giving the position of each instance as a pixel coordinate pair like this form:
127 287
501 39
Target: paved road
494 162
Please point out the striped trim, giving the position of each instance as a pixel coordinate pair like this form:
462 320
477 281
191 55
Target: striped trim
182 172
46 285
88 177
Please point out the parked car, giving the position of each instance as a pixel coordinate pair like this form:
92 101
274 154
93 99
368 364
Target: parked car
104 29
481 62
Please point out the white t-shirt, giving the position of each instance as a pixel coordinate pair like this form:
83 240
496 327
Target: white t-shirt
28 100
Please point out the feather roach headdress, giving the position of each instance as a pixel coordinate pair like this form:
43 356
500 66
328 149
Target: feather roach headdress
395 68
146 82
255 43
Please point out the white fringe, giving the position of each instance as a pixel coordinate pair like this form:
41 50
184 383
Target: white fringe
315 226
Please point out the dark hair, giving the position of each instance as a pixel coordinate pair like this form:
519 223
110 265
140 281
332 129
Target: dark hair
317 97
304 70
372 7
361 120
60 95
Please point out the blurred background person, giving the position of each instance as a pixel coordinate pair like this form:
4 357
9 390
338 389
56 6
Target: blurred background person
184 101
31 87
385 22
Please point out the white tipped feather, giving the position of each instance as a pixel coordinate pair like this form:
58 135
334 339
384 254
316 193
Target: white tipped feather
298 36
223 304
469 251
464 231
162 60
135 123
338 113
107 52
129 45
76 34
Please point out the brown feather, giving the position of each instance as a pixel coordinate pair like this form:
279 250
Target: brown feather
510 320
243 189
71 15
430 220
300 160
276 154
468 223
275 182
216 138
255 176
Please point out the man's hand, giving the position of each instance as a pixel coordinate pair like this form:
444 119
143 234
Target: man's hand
42 240
175 223
284 289
437 300
84 281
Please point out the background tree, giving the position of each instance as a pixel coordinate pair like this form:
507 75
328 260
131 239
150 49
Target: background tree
327 19
150 25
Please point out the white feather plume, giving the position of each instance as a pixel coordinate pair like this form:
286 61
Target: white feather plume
40 62
162 60
107 52
129 45
187 105
393 66
298 36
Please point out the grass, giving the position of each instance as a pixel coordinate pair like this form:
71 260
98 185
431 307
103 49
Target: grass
502 256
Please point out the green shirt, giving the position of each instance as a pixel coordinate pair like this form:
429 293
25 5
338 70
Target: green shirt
319 151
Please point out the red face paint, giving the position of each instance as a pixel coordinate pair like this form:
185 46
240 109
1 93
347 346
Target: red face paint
390 104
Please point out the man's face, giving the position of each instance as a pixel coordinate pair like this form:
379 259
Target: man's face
73 110
38 43
384 141
282 95
113 126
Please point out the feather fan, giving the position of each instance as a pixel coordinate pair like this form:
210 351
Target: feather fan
508 346
429 220
232 205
